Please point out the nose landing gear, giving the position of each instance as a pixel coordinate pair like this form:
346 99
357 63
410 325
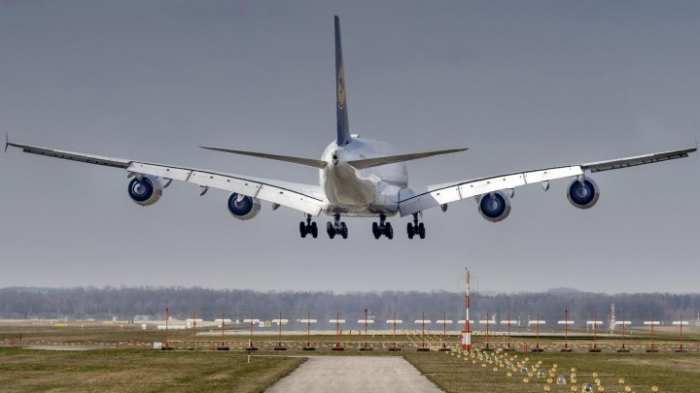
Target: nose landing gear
308 228
337 227
383 228
415 228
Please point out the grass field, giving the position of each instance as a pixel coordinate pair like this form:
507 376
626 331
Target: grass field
670 372
124 360
139 371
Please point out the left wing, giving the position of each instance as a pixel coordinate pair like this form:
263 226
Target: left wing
414 201
303 197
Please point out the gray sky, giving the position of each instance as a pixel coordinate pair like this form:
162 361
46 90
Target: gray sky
524 85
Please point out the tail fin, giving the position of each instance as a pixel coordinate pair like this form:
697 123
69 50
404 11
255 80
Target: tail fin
341 106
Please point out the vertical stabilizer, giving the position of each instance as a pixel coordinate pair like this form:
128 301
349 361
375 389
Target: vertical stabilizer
341 106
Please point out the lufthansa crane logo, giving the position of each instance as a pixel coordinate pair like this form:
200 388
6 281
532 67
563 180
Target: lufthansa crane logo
341 87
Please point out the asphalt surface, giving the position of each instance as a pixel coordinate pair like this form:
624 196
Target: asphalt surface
355 374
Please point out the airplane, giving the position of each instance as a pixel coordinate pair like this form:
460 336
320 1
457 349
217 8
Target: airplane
358 177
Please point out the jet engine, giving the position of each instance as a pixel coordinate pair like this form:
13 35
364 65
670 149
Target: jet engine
145 190
494 206
583 193
243 207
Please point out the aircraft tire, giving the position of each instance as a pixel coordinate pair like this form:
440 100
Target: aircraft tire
302 229
330 229
343 230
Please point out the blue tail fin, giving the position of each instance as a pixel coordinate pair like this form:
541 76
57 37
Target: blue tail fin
341 106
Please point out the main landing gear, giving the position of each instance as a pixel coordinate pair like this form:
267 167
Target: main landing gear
308 227
337 227
415 228
383 228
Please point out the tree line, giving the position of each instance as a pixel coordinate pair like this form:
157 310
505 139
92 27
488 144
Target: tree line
129 303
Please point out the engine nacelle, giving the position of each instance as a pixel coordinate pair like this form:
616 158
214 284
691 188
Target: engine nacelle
243 207
494 206
146 190
583 193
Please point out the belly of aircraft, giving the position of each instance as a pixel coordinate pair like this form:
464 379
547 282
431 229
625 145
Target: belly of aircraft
350 195
344 188
367 192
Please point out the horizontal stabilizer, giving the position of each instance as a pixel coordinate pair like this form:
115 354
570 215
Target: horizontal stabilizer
372 162
295 160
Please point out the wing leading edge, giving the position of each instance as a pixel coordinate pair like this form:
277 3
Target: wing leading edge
413 201
303 197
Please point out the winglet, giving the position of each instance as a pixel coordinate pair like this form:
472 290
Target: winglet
7 142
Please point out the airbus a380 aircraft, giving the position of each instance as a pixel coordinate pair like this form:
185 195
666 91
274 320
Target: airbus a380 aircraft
358 178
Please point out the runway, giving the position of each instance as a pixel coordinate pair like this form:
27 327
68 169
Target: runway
355 374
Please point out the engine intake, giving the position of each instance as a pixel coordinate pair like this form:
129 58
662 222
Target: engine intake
583 193
146 190
494 206
243 207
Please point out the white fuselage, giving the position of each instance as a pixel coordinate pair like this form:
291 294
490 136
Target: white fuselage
367 192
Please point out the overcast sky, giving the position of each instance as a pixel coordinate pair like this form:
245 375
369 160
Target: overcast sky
524 85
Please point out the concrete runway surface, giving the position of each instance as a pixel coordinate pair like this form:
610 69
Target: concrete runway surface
355 374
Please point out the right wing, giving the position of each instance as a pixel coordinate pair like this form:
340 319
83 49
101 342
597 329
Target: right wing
303 197
414 201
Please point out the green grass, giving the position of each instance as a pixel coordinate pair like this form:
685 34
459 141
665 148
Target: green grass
671 372
139 371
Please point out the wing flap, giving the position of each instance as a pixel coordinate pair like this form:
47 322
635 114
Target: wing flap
286 194
290 199
485 186
552 174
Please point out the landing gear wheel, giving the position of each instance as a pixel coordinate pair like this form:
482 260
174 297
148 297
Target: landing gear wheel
415 228
382 228
308 227
389 231
337 227
376 231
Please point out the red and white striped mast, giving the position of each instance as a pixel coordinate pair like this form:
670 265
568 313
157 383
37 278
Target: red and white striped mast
466 333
